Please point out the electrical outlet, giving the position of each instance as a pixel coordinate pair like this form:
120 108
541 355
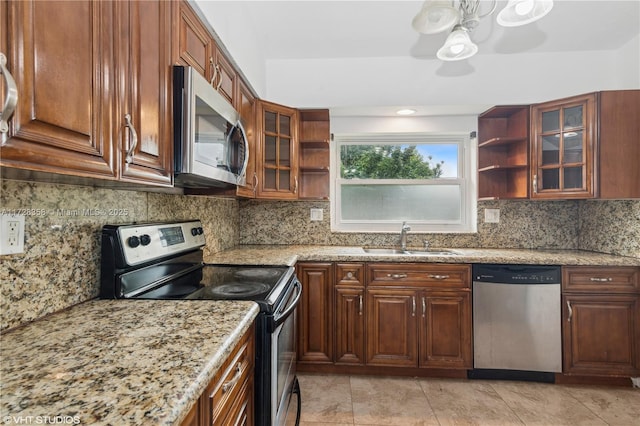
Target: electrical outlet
491 215
316 215
11 234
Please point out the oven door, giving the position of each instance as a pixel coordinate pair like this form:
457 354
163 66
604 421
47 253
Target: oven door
285 395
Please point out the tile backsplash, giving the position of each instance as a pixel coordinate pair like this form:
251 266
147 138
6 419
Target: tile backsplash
61 263
60 266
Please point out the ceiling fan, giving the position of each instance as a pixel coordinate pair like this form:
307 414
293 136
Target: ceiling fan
463 16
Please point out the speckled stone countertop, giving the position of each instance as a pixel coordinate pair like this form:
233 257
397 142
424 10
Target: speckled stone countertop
289 255
117 362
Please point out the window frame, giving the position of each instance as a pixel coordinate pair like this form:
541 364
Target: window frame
466 180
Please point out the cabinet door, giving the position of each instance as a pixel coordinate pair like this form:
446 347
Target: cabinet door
277 154
144 116
226 78
193 44
349 325
391 327
600 335
315 313
563 148
60 55
246 106
445 330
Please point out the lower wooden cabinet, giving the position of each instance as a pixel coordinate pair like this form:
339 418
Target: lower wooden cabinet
385 315
601 321
315 313
229 397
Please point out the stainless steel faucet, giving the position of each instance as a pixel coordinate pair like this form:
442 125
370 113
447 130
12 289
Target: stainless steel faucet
403 236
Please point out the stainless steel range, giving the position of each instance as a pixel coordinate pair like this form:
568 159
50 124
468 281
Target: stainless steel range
164 261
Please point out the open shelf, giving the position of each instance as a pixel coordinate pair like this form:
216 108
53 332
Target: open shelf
503 153
314 154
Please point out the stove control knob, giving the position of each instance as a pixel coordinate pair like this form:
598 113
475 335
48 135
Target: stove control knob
194 231
145 239
133 241
200 231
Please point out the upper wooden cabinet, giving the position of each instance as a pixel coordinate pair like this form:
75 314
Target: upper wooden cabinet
93 96
277 151
247 109
586 146
145 80
194 46
563 148
503 153
63 122
314 154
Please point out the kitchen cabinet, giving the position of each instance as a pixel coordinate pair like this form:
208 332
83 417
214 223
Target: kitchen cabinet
315 313
601 321
229 397
314 154
350 326
419 315
247 110
503 153
93 102
225 79
586 146
277 151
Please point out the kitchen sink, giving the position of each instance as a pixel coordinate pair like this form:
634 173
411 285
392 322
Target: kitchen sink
411 252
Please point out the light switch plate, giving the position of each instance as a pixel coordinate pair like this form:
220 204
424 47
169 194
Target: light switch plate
316 215
491 215
11 233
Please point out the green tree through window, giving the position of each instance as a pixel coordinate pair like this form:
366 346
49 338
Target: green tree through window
387 162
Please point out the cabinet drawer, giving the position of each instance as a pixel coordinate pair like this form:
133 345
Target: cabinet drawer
619 279
416 274
227 385
350 275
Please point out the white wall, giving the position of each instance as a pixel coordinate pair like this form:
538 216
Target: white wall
241 41
438 124
627 58
525 78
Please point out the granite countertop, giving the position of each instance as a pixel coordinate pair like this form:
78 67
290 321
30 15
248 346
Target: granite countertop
117 362
289 255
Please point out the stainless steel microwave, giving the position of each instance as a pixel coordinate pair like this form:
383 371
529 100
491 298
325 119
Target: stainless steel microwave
210 144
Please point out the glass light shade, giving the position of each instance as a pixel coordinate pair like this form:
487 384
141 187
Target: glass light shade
458 46
435 16
522 12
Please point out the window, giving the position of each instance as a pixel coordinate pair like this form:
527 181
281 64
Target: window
382 180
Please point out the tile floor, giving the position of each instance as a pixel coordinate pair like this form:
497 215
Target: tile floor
335 400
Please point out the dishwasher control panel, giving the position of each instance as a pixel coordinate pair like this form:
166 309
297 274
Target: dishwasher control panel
517 274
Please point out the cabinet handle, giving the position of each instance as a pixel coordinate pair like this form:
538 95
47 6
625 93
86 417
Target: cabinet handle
601 280
295 184
134 138
255 183
12 95
361 309
228 385
439 277
424 307
413 303
214 68
535 184
397 276
570 311
219 77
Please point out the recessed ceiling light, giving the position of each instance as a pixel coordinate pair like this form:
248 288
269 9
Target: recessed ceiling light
406 111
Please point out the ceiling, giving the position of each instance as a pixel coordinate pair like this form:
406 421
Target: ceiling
315 30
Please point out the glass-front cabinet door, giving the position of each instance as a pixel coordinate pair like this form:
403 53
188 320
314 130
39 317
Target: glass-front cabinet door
563 148
277 153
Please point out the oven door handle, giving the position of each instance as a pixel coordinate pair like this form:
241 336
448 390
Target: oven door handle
280 318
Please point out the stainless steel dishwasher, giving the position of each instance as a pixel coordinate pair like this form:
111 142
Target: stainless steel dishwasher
516 322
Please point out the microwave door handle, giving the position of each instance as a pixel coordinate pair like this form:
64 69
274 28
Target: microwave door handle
279 318
246 149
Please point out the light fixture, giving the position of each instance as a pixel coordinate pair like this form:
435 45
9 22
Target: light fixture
522 12
438 16
406 111
458 45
